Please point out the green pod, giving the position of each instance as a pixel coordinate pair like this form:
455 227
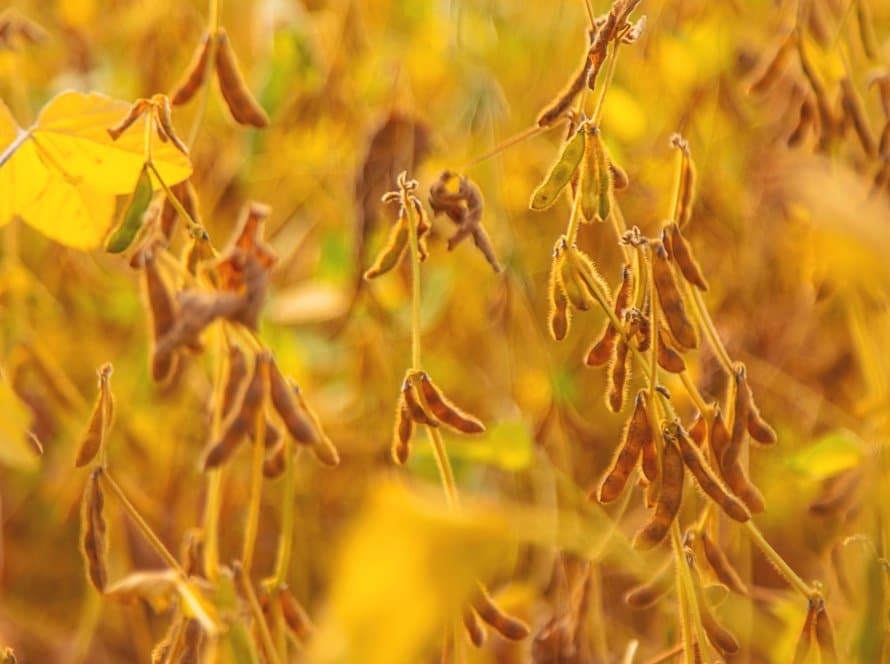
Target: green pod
560 174
131 223
604 183
391 253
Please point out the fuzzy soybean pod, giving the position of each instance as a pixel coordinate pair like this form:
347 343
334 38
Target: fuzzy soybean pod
720 637
392 251
417 411
574 287
825 635
94 539
758 428
193 77
619 368
474 630
589 181
242 105
668 504
100 418
741 403
508 626
591 280
741 486
718 435
236 379
560 318
560 174
698 430
445 411
721 566
682 254
601 350
703 474
805 640
647 594
296 421
404 430
670 300
637 433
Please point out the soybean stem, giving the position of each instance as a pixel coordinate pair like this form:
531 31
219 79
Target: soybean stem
265 635
707 324
256 491
212 30
790 575
194 227
285 538
444 466
408 209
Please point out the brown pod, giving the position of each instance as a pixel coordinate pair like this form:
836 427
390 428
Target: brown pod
647 594
853 109
136 110
668 359
391 253
741 486
698 430
741 400
193 77
669 498
619 176
884 144
445 411
806 119
295 616
259 386
474 630
669 298
686 184
323 448
508 626
685 260
805 640
617 381
825 635
93 531
233 433
243 107
236 379
160 300
276 460
165 122
401 443
718 435
560 104
601 350
703 474
758 428
298 424
416 410
774 67
636 433
720 637
721 566
99 419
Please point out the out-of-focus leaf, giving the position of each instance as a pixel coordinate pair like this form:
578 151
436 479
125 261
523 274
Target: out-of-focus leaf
827 456
309 302
506 445
196 606
14 421
155 587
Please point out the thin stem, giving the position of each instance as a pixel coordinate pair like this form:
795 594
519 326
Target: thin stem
259 618
256 492
691 600
610 72
286 536
707 324
194 227
212 28
408 208
682 601
507 143
790 575
213 501
143 526
574 220
444 465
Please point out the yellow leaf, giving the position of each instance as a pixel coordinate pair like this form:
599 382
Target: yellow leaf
72 129
14 423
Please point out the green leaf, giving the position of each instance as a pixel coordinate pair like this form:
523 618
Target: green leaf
829 455
131 222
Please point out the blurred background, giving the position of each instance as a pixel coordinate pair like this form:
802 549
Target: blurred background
794 243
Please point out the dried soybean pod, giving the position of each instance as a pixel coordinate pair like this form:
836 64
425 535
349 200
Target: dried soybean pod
649 463
805 640
865 23
805 120
703 474
619 176
163 318
723 569
826 116
636 433
295 420
601 350
669 299
445 411
560 314
100 418
720 637
669 359
560 173
236 377
295 616
259 386
617 380
193 77
758 428
686 184
165 122
685 260
474 630
668 500
392 251
698 431
825 635
233 433
884 143
131 221
647 594
588 183
415 406
741 486
93 532
136 110
243 107
275 461
852 106
323 448
401 443
774 67
560 104
574 288
718 435
591 279
741 400
509 627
